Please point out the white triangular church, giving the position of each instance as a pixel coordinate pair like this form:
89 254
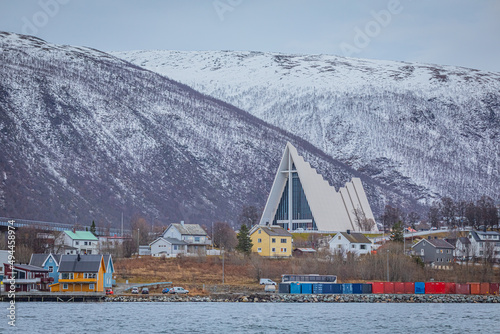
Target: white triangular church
314 204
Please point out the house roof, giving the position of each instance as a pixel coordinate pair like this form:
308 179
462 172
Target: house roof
39 259
464 240
172 241
306 250
190 229
86 264
81 235
437 243
28 267
356 238
275 231
476 234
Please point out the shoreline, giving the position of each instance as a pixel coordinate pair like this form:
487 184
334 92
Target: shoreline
265 298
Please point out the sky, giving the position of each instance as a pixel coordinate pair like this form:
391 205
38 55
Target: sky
448 32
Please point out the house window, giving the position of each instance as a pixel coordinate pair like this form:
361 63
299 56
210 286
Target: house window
51 269
91 286
273 249
85 243
283 241
480 252
422 252
362 246
353 246
65 286
77 243
197 239
273 240
339 237
283 250
176 247
259 231
259 240
259 250
437 251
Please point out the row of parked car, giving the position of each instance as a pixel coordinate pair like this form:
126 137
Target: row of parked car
175 289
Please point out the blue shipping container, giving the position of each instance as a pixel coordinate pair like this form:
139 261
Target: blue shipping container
294 287
367 288
357 288
306 288
347 288
318 288
284 288
420 287
332 288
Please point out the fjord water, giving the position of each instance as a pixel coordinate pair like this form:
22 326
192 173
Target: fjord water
159 317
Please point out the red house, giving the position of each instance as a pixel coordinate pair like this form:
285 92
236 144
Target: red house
27 277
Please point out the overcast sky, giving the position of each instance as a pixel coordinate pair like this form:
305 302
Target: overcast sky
451 32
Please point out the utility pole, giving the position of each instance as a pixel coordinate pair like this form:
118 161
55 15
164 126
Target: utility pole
222 264
388 266
122 224
137 242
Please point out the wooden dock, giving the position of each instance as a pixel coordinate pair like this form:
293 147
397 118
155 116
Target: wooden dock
55 297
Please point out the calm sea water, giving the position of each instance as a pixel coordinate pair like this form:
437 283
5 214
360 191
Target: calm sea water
252 318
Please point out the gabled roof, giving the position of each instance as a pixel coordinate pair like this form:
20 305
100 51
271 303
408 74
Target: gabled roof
81 235
40 259
436 243
28 267
476 234
275 231
464 240
172 241
354 237
87 263
189 229
305 250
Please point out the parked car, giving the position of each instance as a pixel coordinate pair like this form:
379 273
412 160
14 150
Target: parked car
135 290
165 290
109 291
267 281
178 289
145 291
269 288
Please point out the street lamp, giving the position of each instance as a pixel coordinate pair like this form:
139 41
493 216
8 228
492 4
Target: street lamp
388 266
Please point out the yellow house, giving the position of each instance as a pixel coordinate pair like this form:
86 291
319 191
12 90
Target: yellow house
80 273
271 241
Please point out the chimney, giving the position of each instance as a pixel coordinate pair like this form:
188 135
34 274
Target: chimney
428 237
182 222
348 231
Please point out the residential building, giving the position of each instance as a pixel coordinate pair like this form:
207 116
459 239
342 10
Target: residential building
83 273
271 241
110 270
4 258
28 278
350 242
301 199
168 247
109 243
49 262
485 245
435 252
299 252
463 249
144 250
76 242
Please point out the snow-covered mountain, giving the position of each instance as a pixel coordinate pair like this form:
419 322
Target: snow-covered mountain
84 134
428 130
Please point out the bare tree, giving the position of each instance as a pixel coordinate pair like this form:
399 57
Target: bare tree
365 224
249 216
224 236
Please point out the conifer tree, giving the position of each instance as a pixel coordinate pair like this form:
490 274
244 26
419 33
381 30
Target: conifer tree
244 241
92 228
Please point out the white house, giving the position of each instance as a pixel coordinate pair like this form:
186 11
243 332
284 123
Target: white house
110 242
485 245
463 249
352 242
187 239
76 242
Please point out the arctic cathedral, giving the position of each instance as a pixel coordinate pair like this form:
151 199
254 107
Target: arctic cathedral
301 198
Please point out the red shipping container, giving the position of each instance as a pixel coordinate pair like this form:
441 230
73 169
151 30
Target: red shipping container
439 287
450 288
429 288
389 287
462 288
494 287
485 288
377 287
399 287
475 288
409 287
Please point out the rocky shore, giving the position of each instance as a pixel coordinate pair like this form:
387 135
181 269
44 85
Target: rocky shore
289 298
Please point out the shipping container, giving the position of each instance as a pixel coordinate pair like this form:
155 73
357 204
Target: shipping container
332 288
389 287
429 288
284 288
399 287
450 288
306 288
494 288
294 287
347 288
485 288
409 288
419 287
357 288
318 288
439 287
462 288
475 288
367 288
378 287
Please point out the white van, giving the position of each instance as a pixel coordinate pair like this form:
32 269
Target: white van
267 281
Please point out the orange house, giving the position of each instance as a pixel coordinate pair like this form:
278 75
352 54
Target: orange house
83 273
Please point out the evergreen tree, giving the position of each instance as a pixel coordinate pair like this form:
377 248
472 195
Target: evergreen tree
244 242
397 232
92 228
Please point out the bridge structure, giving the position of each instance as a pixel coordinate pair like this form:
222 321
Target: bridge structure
51 226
